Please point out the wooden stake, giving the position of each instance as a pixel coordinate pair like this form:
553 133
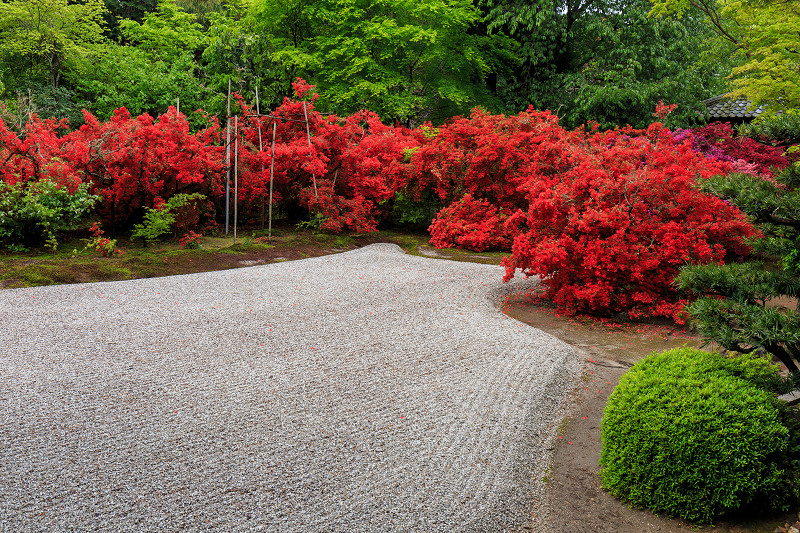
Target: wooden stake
235 175
308 135
260 149
271 171
228 161
227 173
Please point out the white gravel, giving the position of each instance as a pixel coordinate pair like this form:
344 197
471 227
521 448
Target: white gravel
364 391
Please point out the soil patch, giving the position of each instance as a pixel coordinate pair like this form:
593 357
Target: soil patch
576 500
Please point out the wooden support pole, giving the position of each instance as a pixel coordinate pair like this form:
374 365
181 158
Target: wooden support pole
308 135
228 161
271 172
235 175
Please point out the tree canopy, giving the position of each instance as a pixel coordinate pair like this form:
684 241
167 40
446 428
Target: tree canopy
765 34
605 61
39 39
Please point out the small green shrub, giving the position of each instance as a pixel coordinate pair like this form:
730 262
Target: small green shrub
37 211
415 213
159 221
102 245
697 435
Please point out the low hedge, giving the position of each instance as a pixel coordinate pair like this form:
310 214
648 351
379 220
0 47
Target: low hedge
697 435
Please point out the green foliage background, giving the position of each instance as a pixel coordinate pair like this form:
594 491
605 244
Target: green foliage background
608 61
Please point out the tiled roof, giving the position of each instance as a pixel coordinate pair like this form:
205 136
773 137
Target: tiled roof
721 107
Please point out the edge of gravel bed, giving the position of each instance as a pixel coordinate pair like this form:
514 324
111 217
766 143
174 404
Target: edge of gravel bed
552 444
558 410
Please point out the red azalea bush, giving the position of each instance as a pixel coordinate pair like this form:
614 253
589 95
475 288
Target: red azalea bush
102 245
472 224
135 162
483 165
341 177
191 240
348 169
40 152
609 234
129 161
491 157
335 213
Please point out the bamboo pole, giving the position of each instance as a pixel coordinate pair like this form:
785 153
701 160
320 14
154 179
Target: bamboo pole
260 150
235 175
308 135
228 161
271 172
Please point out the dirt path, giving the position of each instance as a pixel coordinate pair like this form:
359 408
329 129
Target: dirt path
576 499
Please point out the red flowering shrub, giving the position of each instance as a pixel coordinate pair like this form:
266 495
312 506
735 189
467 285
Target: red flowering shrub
334 213
491 157
128 161
483 165
609 234
471 224
718 141
351 165
40 153
191 240
342 176
102 245
133 161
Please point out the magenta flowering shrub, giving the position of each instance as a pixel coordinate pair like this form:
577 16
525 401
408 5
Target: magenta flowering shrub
718 141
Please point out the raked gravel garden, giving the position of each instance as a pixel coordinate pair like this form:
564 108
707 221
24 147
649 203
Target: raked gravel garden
364 391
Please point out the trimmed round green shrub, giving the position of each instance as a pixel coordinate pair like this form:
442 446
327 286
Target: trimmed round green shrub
697 435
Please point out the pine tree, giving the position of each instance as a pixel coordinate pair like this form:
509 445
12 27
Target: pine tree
733 309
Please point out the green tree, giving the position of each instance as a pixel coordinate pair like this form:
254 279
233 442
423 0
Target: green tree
626 62
238 52
541 31
766 36
770 73
125 76
118 10
734 308
41 39
286 29
404 59
408 61
165 34
153 72
604 60
202 9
